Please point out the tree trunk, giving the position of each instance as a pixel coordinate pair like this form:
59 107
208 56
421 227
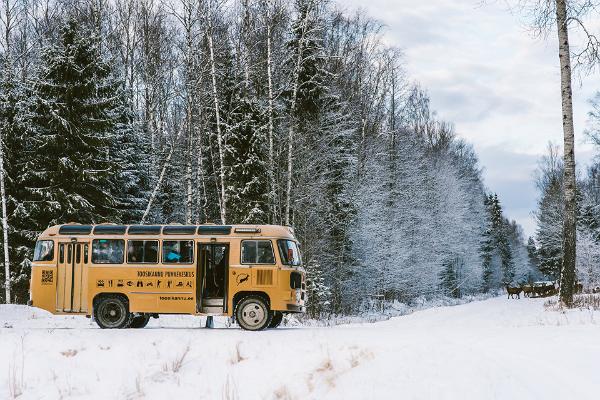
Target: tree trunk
567 277
8 76
7 281
295 84
270 111
161 177
218 122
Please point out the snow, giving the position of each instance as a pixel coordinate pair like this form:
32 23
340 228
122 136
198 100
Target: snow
496 348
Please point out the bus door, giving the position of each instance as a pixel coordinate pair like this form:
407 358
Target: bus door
213 268
71 288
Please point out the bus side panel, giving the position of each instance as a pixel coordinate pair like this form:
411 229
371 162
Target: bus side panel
274 282
162 290
43 287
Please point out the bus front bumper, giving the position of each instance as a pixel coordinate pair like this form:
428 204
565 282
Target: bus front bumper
295 308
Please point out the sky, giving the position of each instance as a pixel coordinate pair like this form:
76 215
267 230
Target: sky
499 84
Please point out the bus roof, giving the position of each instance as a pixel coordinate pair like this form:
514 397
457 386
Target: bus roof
204 230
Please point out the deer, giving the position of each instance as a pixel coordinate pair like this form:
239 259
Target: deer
527 290
513 291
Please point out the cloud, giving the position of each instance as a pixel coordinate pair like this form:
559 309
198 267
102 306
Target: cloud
497 83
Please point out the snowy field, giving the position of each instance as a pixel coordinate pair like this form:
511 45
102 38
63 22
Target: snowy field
490 349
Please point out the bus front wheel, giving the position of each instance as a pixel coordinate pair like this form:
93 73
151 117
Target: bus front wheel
112 312
277 318
252 313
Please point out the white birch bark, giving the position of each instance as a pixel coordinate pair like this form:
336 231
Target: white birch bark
202 199
8 75
567 278
270 112
220 144
291 129
161 177
7 280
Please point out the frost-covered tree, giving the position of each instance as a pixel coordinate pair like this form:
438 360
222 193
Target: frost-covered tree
549 214
78 115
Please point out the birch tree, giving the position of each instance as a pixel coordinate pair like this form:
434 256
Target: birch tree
220 143
563 14
305 13
8 19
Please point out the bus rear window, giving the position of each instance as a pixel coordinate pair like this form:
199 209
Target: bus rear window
108 251
44 250
289 252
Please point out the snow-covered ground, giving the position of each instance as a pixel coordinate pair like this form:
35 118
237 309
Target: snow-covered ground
497 348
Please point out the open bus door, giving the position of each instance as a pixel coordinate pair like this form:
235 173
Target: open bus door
212 272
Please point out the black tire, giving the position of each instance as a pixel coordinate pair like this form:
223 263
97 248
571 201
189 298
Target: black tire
253 314
112 312
276 320
140 321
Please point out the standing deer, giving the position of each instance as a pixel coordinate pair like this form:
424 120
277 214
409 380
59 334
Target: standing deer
527 290
513 291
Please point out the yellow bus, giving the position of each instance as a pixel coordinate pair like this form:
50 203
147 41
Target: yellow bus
122 275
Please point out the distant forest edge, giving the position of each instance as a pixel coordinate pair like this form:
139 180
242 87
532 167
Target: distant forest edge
281 112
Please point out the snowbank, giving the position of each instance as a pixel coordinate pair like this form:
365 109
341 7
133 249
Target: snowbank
496 348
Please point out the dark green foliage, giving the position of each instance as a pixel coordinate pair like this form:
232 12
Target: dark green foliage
496 242
72 168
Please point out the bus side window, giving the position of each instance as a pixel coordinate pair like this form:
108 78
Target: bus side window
61 253
257 252
142 251
85 253
178 251
69 247
108 251
78 253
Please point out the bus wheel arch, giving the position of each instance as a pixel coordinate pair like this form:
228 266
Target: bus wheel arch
111 311
252 310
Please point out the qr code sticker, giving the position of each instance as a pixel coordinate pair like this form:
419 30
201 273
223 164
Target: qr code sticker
47 277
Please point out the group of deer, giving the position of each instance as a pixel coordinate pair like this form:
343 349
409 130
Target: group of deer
538 289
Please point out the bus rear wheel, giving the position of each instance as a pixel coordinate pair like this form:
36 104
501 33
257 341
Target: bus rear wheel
140 321
277 318
112 312
252 313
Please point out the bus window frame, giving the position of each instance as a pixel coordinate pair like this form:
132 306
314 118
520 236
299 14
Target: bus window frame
284 258
158 251
256 240
107 263
52 253
166 262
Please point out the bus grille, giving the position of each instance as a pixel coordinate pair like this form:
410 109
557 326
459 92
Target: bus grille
264 277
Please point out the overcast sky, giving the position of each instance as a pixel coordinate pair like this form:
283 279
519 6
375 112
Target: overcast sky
499 85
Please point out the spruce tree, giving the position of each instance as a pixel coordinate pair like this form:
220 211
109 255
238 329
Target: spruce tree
72 158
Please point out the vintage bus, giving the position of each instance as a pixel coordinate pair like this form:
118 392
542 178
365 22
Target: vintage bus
122 275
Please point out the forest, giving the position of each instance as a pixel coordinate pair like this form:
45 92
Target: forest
257 112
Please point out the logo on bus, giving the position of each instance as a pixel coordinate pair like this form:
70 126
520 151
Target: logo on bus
241 278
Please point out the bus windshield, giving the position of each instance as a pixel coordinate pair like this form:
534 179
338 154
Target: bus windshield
289 252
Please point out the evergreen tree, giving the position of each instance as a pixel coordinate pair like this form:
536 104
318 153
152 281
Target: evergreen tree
549 229
71 150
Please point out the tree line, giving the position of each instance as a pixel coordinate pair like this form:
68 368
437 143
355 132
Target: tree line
245 111
546 248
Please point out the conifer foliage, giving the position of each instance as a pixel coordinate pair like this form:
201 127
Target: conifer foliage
77 116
